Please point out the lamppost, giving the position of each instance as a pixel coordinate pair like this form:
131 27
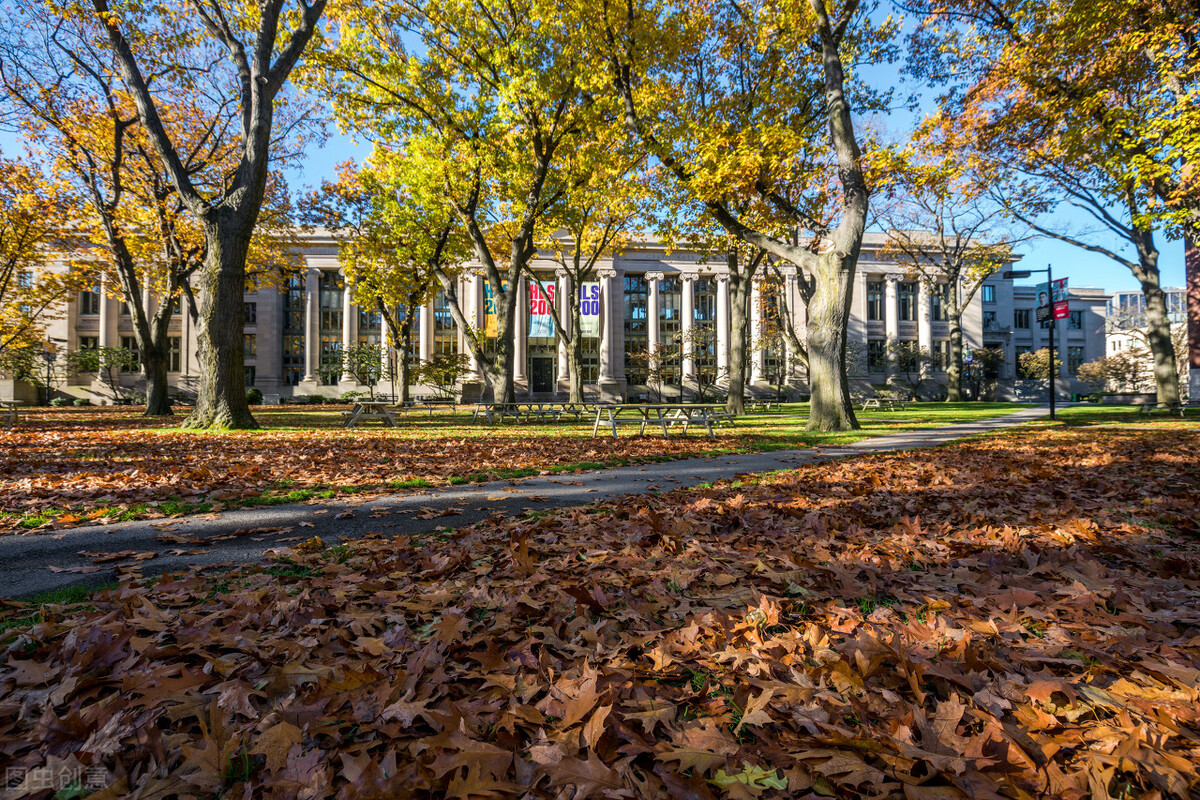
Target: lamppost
1025 273
49 354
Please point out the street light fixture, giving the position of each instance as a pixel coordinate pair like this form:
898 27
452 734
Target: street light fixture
1010 274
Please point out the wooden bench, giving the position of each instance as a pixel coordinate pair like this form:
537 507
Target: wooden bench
10 411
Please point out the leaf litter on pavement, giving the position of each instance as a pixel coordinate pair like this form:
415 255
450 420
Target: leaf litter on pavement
1016 616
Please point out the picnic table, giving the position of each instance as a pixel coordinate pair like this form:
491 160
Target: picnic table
660 415
765 405
528 412
428 403
1171 408
883 403
368 409
10 411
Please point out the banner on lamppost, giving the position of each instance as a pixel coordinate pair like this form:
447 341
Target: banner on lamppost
589 308
1058 299
541 300
1052 301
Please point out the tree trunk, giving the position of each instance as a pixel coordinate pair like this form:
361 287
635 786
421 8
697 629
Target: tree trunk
739 294
154 363
1162 348
221 401
575 349
828 315
1158 324
954 368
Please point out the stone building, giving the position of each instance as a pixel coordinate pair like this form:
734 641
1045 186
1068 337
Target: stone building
642 297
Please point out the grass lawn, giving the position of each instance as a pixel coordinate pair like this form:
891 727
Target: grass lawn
1016 616
66 467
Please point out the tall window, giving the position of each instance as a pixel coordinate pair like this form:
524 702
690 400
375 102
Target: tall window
249 345
130 343
704 321
1075 322
250 375
874 301
1074 359
250 313
1021 319
174 353
331 291
876 355
445 331
989 320
293 330
636 329
370 326
89 343
908 301
989 293
670 319
89 301
939 302
941 354
771 294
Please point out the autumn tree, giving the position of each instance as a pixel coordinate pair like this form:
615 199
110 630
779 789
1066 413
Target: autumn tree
749 107
480 99
391 245
238 59
943 228
1094 104
69 102
605 194
36 213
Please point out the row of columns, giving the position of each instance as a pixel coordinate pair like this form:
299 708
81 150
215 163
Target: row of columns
891 312
612 326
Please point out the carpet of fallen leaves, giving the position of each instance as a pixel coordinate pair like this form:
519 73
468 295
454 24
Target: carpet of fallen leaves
100 465
1017 616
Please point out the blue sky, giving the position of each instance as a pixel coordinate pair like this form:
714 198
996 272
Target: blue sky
1080 267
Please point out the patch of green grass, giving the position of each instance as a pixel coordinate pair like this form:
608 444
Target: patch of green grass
38 605
411 483
868 604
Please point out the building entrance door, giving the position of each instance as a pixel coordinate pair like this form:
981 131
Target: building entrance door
541 374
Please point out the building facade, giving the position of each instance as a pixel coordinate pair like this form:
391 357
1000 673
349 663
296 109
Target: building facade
642 298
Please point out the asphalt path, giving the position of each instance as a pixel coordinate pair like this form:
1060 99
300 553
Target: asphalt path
40 562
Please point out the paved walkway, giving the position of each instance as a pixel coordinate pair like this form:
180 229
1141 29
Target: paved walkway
244 535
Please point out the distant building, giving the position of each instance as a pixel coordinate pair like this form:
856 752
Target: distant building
1078 339
647 295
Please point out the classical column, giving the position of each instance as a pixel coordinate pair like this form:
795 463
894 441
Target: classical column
425 350
795 308
924 323
687 320
521 330
476 316
757 354
652 309
312 324
562 307
891 308
722 327
349 337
